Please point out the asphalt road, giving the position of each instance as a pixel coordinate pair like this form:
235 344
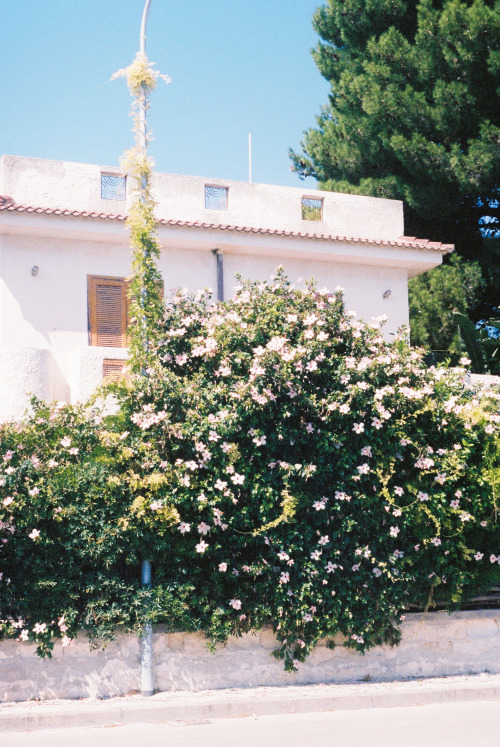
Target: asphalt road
474 724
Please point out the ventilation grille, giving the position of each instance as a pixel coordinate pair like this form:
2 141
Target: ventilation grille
113 370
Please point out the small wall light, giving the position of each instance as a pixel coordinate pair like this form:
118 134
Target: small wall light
386 294
34 270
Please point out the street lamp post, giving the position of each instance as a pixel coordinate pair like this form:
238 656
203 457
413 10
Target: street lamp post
147 671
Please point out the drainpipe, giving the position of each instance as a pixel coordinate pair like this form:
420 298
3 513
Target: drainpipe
220 273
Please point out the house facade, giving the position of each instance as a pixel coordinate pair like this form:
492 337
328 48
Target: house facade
65 257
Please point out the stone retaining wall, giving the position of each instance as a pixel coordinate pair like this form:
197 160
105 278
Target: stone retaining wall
433 644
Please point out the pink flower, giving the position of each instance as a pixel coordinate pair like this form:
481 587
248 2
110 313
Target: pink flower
184 527
284 578
436 541
319 505
33 491
39 628
394 531
222 567
24 635
203 528
201 547
235 604
358 427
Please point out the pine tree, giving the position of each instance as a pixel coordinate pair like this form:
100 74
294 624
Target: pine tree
414 114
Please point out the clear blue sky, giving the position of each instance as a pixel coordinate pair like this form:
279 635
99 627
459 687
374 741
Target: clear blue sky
236 67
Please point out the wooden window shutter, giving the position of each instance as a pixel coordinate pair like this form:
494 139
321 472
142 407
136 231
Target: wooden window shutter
108 311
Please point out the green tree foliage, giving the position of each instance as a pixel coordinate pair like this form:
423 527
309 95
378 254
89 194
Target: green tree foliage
282 464
414 114
435 298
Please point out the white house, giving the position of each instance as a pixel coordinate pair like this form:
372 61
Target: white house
64 257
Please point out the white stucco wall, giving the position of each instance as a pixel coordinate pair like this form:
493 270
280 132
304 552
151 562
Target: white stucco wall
45 183
433 644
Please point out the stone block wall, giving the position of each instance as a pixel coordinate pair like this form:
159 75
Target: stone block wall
433 644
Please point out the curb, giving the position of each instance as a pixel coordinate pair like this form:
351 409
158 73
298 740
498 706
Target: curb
261 701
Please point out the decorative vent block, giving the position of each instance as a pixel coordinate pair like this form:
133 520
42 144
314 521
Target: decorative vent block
113 187
215 198
312 209
113 370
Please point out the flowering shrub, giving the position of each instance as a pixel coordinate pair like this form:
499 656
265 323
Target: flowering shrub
280 463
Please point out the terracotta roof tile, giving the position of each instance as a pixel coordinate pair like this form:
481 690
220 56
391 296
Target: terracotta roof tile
7 204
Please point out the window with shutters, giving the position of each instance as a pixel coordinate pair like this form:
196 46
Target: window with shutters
108 311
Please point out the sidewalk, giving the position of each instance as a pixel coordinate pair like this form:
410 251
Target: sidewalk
261 701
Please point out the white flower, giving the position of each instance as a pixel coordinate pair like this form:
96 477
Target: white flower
422 496
259 440
39 628
238 479
323 540
203 528
358 427
479 556
34 534
222 567
319 505
436 541
284 578
377 572
66 441
363 469
184 527
316 555
394 531
201 546
235 604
